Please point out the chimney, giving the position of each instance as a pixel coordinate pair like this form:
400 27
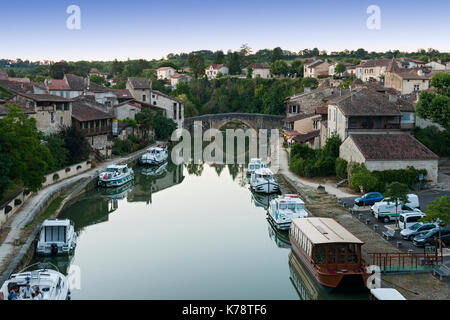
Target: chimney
353 96
393 98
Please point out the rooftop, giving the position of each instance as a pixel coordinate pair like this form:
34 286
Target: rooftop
43 97
391 147
140 83
83 112
324 230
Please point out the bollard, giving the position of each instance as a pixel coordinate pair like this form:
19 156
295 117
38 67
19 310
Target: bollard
367 221
399 244
16 241
375 227
360 216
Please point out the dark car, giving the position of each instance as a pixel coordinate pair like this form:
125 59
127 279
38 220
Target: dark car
369 199
429 237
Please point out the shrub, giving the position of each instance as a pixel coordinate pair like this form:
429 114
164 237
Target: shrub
341 168
55 177
435 140
365 179
78 167
17 202
67 170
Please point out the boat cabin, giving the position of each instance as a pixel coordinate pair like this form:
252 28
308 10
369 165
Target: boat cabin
54 230
288 202
329 250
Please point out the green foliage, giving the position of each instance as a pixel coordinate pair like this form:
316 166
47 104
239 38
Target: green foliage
297 68
21 148
76 144
196 64
397 193
58 69
219 57
310 83
341 168
55 143
340 68
438 211
234 65
5 165
98 80
279 67
435 140
276 54
363 178
332 145
163 126
436 105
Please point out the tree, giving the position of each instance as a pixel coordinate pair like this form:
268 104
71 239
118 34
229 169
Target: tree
97 79
279 67
438 211
219 57
435 106
196 64
297 68
235 63
28 158
340 69
163 126
310 83
5 165
58 69
116 67
332 145
397 193
276 54
76 144
55 143
249 73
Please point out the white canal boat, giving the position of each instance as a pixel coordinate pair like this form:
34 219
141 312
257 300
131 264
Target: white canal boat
45 284
115 176
254 164
285 208
56 237
262 180
154 156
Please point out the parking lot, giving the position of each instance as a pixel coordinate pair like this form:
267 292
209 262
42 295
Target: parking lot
364 214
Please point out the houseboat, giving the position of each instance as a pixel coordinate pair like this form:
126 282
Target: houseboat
115 176
154 156
56 237
52 285
262 180
253 165
283 209
330 252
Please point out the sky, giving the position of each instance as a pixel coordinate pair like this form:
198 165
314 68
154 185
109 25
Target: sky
149 29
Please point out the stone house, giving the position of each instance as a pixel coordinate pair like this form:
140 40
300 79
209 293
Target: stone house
123 95
174 108
315 68
51 112
364 111
96 126
177 77
438 65
214 69
407 80
165 73
389 151
259 71
306 102
127 109
349 68
140 89
372 69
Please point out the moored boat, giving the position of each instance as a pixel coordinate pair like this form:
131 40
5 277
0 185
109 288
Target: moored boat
43 284
154 156
115 176
254 164
330 252
283 209
262 180
56 237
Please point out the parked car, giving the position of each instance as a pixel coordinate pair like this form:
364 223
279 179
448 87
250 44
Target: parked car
409 216
386 211
413 201
428 238
369 199
416 229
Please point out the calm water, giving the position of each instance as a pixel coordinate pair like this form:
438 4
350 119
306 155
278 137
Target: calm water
191 232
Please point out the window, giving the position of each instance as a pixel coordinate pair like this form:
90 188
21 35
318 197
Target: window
416 87
67 94
61 121
352 253
331 254
144 97
341 253
56 234
406 117
66 107
52 117
319 254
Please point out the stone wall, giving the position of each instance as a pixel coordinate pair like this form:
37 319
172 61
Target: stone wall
66 173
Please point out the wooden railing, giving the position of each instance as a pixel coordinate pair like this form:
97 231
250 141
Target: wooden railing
405 261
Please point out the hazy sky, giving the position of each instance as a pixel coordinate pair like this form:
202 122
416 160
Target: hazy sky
150 29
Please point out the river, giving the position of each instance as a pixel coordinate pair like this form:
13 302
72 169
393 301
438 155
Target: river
190 232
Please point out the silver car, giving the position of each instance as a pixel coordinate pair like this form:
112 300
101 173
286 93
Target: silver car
415 229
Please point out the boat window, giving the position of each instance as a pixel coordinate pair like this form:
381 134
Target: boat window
111 170
55 233
283 206
299 206
252 167
291 206
331 254
320 254
352 253
341 253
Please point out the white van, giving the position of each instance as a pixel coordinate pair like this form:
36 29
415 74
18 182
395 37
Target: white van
406 220
413 201
387 211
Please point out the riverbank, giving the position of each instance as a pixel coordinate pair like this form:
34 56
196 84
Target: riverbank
412 286
18 235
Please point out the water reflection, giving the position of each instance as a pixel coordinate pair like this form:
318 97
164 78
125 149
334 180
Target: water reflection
280 237
262 200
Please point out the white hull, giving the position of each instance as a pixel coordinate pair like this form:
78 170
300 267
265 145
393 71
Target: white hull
116 182
265 187
62 248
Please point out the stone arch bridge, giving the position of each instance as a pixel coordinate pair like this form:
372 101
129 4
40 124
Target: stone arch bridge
254 121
